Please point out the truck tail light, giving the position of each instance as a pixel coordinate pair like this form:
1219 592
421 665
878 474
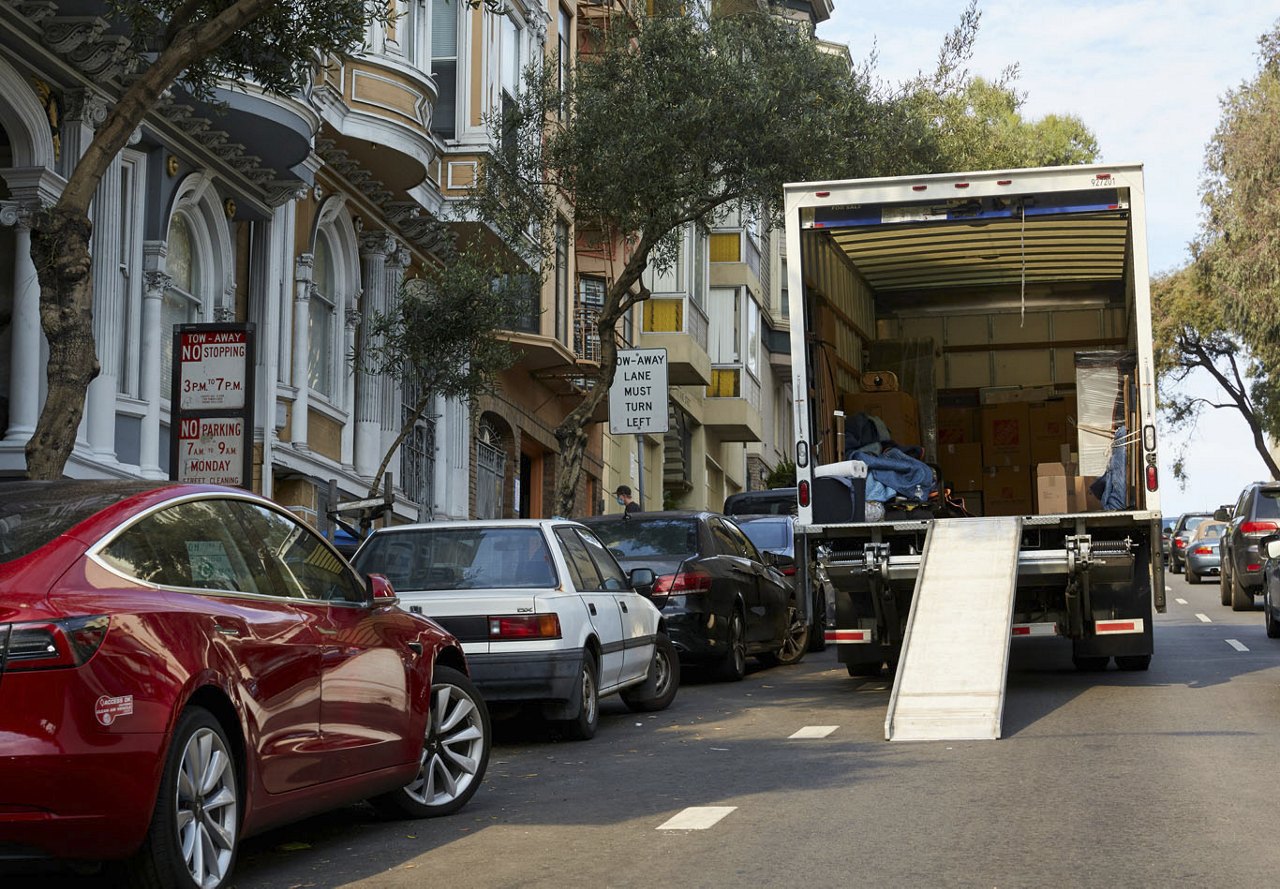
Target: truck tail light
1153 478
803 494
50 645
524 626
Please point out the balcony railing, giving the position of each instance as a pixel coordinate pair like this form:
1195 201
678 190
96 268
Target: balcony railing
586 336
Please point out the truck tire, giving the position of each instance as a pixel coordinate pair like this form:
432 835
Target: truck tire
1133 661
867 670
1091 663
1241 599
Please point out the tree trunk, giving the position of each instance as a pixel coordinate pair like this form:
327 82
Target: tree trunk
418 410
60 248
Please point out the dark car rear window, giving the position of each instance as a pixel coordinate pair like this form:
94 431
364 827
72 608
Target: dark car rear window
768 534
635 538
1267 505
32 513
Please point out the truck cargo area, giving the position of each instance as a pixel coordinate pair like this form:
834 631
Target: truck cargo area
994 328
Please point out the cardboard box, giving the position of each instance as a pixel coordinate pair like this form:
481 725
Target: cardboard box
1006 434
961 465
1084 496
897 409
957 425
1052 426
1055 495
1006 490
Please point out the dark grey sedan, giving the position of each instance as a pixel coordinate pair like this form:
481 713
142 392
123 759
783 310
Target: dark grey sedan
721 599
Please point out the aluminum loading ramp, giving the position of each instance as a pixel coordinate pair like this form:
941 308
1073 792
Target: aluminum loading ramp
951 673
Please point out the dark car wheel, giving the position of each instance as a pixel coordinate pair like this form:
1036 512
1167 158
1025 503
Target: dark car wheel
1224 587
195 828
1174 566
1241 599
794 644
659 689
734 664
455 752
583 726
818 629
1192 577
1269 618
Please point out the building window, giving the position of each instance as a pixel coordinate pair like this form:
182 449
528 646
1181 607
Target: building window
725 329
322 323
586 339
726 247
562 280
444 67
563 59
182 301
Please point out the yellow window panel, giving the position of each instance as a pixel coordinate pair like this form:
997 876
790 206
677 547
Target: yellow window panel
724 383
664 316
726 247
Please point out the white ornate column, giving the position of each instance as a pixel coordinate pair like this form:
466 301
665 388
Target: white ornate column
391 415
375 246
303 271
155 280
85 110
26 338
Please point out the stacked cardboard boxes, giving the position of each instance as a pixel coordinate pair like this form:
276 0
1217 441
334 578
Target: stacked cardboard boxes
898 410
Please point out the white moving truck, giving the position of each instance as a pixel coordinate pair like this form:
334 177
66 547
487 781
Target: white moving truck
994 327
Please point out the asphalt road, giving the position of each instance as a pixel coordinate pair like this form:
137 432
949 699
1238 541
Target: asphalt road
1109 780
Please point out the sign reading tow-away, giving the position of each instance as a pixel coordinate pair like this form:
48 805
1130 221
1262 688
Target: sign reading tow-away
638 396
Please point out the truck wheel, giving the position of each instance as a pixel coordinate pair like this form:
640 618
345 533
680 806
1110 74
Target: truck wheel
734 665
1241 599
1090 664
1133 661
659 689
583 726
868 670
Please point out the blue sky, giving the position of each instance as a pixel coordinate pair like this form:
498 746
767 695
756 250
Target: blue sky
1146 77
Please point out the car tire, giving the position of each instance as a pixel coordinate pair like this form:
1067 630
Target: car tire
1241 599
1133 662
1224 587
1192 577
818 629
455 752
1174 566
733 666
794 643
200 748
583 726
1268 617
659 688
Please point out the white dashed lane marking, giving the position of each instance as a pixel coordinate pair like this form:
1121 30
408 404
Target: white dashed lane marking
815 731
1181 601
1237 645
1203 618
696 818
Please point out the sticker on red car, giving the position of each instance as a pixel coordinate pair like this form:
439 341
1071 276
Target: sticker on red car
109 709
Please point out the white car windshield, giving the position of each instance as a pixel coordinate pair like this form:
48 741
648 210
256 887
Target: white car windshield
460 559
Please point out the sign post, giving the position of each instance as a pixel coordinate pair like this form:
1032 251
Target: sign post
638 398
211 428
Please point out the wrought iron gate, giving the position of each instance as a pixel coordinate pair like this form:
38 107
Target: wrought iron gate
491 470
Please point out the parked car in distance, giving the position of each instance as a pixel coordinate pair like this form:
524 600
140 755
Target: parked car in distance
777 534
770 501
1180 536
1166 532
150 632
721 599
1256 515
545 613
1202 555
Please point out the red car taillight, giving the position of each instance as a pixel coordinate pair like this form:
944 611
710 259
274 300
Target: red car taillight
48 645
1204 551
524 626
1179 543
1258 528
683 582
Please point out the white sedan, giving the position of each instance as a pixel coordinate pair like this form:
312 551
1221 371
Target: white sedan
544 613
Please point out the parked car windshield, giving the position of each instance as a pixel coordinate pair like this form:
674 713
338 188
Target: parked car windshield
768 534
460 559
635 538
32 513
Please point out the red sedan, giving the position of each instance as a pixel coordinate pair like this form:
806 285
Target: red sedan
182 666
